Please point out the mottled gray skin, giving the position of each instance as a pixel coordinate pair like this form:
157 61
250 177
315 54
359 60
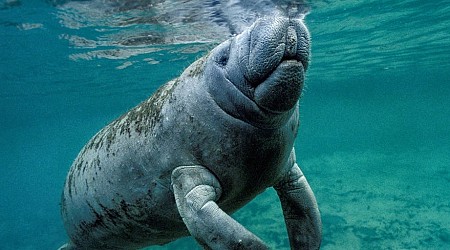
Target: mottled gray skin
200 148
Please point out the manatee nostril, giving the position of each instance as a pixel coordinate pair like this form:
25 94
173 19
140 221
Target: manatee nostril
291 43
297 42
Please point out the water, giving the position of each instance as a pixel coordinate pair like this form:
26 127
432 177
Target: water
374 140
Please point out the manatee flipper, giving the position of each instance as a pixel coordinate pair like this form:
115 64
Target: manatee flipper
196 191
300 210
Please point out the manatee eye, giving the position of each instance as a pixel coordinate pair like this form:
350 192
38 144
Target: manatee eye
223 59
223 54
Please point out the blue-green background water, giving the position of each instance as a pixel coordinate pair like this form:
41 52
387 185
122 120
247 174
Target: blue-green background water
374 140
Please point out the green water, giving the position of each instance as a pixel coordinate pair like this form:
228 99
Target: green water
374 140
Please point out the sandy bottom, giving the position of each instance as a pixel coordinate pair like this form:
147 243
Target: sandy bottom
368 200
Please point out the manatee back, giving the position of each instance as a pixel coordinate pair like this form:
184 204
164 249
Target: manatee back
121 179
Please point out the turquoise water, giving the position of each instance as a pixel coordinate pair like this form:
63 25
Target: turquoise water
374 141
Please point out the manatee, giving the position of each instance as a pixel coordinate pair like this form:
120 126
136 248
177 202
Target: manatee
201 147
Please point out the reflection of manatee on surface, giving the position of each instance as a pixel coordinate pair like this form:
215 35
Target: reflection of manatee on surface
170 21
200 148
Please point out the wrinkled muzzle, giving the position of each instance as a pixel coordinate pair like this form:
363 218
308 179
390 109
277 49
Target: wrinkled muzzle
273 56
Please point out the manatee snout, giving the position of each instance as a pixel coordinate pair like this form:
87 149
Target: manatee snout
271 41
279 84
272 57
